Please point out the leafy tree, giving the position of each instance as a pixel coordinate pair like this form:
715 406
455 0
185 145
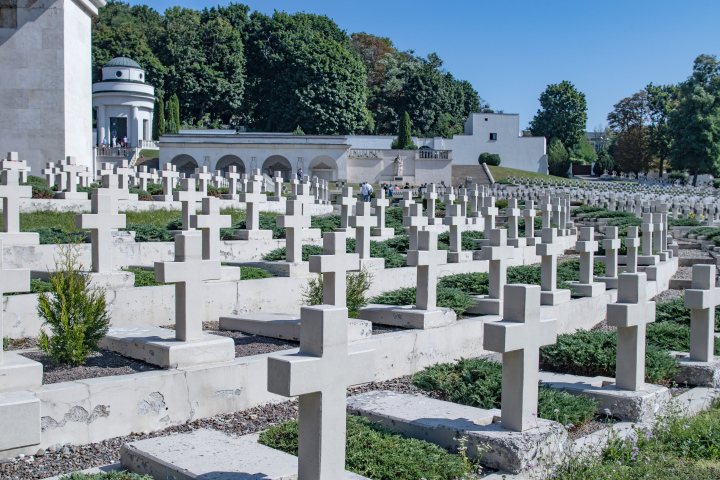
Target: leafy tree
604 162
632 152
404 138
583 151
661 101
302 70
629 112
695 123
489 158
562 114
558 158
158 119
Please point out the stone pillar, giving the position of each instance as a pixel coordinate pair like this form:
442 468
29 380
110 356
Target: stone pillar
101 125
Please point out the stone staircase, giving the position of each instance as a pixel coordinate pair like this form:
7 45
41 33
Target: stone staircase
477 172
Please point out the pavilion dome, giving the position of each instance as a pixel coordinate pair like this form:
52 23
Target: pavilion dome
123 62
123 69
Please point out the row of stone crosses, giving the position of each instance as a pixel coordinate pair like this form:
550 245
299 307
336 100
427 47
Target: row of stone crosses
323 368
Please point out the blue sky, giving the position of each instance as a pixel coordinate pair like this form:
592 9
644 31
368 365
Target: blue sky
511 50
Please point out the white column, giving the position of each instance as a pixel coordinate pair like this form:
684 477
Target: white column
134 130
101 121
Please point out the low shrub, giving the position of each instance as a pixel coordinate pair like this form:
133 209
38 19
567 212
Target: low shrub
394 220
54 236
174 224
278 255
73 310
453 298
673 336
683 222
608 214
593 354
143 195
501 204
266 222
705 231
393 259
39 187
466 239
492 159
580 211
377 453
625 222
357 286
478 382
154 188
674 311
217 192
252 273
327 223
148 233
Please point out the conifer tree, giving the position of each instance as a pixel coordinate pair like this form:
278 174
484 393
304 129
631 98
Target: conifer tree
158 119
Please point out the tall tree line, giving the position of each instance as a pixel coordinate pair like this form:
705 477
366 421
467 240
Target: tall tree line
283 71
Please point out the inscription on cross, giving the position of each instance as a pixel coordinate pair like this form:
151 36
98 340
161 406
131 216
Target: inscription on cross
519 337
334 264
320 374
188 272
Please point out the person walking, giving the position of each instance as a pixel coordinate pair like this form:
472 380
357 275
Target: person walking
299 173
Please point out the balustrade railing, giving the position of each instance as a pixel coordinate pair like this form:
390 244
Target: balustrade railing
431 154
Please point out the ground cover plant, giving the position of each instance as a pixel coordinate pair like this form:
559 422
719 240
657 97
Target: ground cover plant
252 273
478 382
593 353
144 278
467 238
607 214
501 173
278 254
671 329
682 222
452 298
377 453
74 312
677 447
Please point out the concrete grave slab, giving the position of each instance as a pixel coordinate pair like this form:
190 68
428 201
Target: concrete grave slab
285 327
636 406
19 373
210 455
444 423
158 346
408 316
695 372
19 420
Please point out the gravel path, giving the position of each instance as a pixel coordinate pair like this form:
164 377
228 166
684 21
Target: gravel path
683 273
98 364
693 253
668 295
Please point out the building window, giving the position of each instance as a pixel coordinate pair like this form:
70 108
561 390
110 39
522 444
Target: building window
118 74
486 119
493 136
8 13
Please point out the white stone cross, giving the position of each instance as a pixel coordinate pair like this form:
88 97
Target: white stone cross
243 182
60 177
519 337
632 242
101 223
278 181
143 175
218 179
362 221
293 187
426 258
611 244
13 162
416 222
631 314
702 299
647 233
11 192
168 174
320 374
529 215
11 281
489 211
380 203
188 197
449 197
513 212
406 202
253 197
345 201
83 177
334 264
431 195
69 168
49 172
453 218
210 223
124 172
586 246
293 222
548 250
497 253
546 209
232 177
462 199
188 272
202 176
658 229
303 194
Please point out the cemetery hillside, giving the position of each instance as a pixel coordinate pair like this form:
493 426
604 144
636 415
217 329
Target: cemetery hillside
242 243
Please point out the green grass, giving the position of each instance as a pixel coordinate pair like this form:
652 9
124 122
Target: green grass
252 273
144 278
501 173
149 153
478 382
677 448
377 453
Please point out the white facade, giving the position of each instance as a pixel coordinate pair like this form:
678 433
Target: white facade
124 104
45 80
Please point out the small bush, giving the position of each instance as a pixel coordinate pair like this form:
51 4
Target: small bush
593 354
478 382
278 255
54 236
377 453
148 233
673 336
492 159
266 222
452 298
327 223
357 286
683 222
252 273
466 239
501 204
75 312
394 220
174 224
705 231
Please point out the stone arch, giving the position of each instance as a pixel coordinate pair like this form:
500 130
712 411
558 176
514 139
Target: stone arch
277 162
323 167
185 164
229 160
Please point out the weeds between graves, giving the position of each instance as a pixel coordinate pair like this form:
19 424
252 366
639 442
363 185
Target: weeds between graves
477 382
677 447
358 284
377 453
75 312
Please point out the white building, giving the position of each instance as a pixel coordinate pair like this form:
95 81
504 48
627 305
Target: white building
45 79
357 158
124 104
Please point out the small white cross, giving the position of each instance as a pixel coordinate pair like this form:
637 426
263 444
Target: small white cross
334 264
168 174
101 223
453 218
632 242
702 299
232 177
489 211
345 201
210 223
548 250
253 197
362 221
320 374
202 176
188 272
11 192
586 247
426 258
416 222
49 172
188 197
519 337
380 203
293 222
497 253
